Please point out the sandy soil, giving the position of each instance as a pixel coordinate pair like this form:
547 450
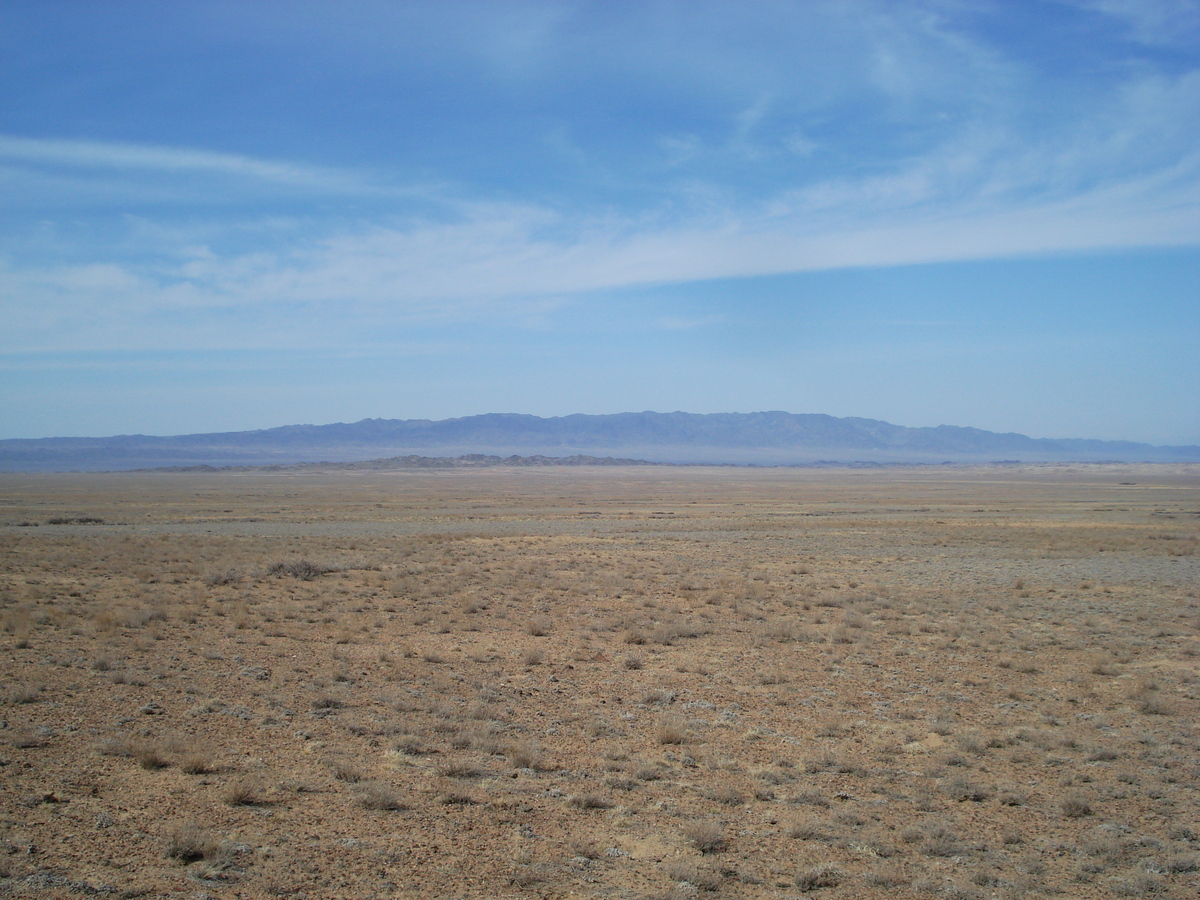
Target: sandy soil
625 683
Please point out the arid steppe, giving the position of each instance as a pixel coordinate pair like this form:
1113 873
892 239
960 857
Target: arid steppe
642 682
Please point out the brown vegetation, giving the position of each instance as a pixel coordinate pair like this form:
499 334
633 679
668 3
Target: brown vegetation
636 683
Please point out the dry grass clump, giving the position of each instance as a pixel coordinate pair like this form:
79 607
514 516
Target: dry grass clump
691 872
963 789
188 842
706 835
533 657
671 730
150 753
1074 806
244 792
523 755
378 796
1155 703
303 569
460 769
197 762
347 770
826 875
590 801
223 577
25 693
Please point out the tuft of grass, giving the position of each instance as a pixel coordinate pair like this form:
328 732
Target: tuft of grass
1156 704
963 790
222 577
378 796
347 771
460 769
188 842
523 756
197 762
1074 806
533 657
706 835
244 792
150 756
671 730
25 693
304 569
590 801
822 876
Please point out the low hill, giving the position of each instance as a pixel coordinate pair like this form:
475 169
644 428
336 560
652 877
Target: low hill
763 438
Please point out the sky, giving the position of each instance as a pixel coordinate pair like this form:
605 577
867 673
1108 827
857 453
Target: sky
220 216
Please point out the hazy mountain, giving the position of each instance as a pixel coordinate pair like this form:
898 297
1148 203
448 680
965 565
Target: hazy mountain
765 438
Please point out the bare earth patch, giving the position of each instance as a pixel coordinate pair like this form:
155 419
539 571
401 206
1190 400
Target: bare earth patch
586 682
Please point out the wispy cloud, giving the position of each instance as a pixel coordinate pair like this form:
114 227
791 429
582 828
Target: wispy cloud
78 154
774 182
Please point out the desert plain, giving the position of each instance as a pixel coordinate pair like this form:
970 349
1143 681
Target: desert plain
625 682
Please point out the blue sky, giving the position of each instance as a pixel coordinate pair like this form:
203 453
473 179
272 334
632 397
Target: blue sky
228 215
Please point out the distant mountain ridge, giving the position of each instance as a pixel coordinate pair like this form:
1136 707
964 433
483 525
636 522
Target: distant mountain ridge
764 438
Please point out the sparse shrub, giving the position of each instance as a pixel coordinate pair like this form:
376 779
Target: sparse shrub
25 693
411 745
347 770
1156 704
808 830
150 755
963 790
222 577
460 769
1185 862
378 796
188 842
1137 885
1074 807
706 835
523 756
304 569
693 873
671 730
244 792
940 841
888 877
196 762
822 876
810 798
590 801
726 794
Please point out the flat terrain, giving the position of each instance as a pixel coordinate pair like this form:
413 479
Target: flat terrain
625 683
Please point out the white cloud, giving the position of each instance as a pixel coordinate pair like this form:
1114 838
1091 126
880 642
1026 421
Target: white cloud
1153 22
98 154
504 260
969 177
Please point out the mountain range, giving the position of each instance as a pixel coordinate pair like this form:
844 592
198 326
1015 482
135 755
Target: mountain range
762 438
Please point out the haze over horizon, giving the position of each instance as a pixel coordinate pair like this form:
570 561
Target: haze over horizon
223 216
